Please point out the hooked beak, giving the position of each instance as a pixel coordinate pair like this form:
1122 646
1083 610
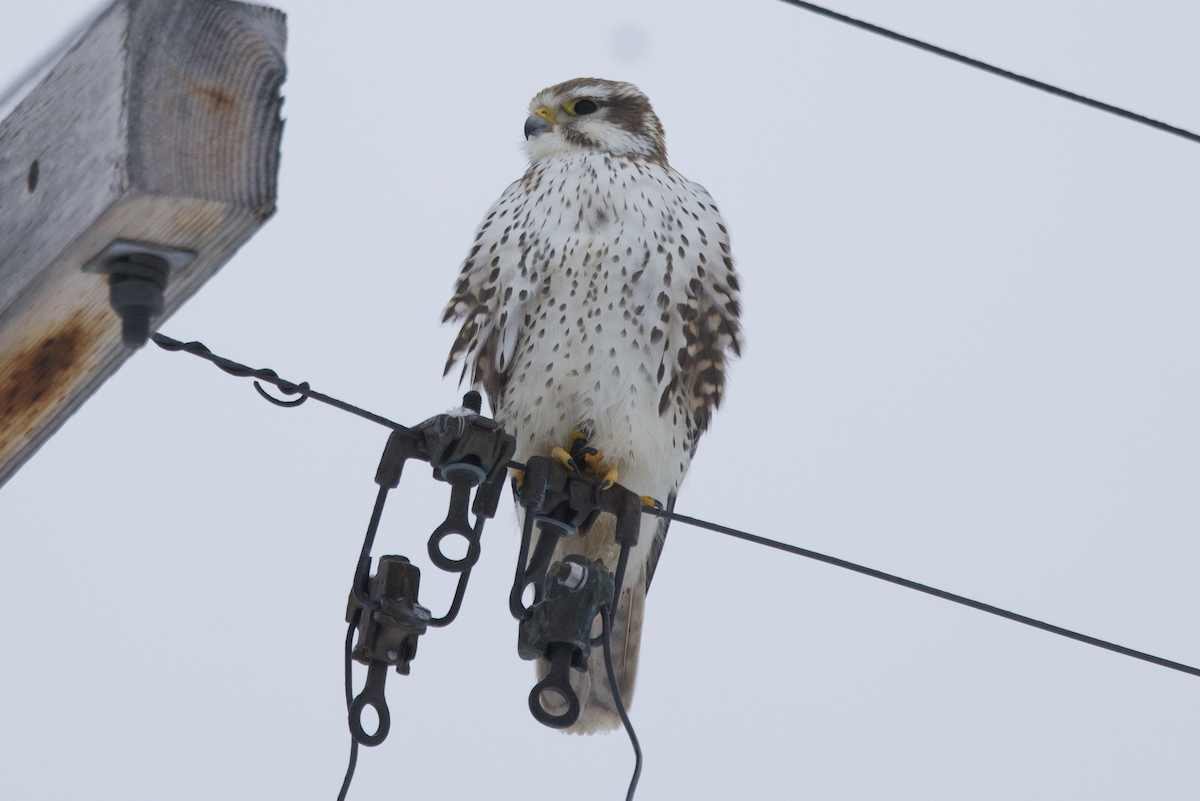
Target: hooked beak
539 122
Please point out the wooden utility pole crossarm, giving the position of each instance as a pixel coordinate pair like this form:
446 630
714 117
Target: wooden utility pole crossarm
160 126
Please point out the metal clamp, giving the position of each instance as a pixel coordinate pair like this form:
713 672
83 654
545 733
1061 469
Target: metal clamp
387 636
559 628
466 451
563 502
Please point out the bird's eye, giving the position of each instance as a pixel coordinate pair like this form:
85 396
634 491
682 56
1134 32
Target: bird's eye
582 106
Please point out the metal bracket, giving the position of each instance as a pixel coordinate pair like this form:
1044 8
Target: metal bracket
564 502
572 501
466 450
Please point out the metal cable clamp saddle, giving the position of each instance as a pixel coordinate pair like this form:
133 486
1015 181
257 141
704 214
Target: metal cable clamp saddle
569 594
466 451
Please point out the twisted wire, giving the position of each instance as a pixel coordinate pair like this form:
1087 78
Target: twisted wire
270 376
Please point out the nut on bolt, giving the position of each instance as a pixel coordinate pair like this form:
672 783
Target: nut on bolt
137 277
569 574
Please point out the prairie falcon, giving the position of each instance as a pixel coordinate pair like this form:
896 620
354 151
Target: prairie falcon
600 296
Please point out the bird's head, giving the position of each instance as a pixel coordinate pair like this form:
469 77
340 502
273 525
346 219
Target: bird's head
592 114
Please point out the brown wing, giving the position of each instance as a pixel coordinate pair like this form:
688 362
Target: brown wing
486 298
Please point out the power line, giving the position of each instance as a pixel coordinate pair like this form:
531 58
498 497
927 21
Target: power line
1003 73
286 387
349 701
302 389
913 585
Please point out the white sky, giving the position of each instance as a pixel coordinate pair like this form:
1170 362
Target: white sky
972 321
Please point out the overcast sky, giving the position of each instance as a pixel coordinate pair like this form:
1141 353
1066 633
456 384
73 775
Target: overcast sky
973 341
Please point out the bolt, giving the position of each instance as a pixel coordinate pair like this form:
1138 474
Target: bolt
473 401
393 655
570 574
135 289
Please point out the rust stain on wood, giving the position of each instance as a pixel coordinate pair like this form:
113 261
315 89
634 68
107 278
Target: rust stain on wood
35 380
220 100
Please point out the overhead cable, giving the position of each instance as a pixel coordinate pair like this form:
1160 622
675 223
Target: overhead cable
302 389
913 585
1003 73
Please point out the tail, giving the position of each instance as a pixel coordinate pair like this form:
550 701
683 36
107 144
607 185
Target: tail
598 710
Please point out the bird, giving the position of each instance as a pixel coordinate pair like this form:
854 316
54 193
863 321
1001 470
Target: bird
600 304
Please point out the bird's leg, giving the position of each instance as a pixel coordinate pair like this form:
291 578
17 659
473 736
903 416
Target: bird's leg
560 455
610 478
576 452
591 459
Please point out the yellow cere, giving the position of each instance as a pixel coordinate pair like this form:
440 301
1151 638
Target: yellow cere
546 114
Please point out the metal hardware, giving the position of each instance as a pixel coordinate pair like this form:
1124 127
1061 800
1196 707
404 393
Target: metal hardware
466 451
387 636
562 502
137 277
559 629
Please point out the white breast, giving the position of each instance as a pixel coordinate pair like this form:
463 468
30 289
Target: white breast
583 356
572 293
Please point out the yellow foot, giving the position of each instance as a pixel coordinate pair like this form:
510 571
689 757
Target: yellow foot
610 478
589 458
578 439
648 500
581 458
560 455
519 477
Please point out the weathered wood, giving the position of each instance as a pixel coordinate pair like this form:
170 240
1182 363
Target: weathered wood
161 125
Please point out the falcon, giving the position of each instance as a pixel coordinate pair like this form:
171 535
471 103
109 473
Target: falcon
599 302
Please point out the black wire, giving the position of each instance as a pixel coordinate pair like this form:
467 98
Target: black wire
616 694
349 700
619 578
912 585
515 605
1012 76
459 592
363 569
373 525
270 376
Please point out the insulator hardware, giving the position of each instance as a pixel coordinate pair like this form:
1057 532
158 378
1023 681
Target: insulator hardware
387 636
563 502
466 451
559 629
